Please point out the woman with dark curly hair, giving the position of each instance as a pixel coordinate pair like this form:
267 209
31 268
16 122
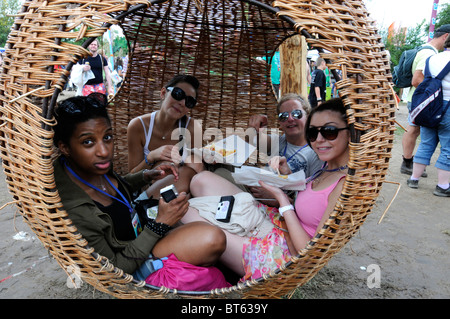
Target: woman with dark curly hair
99 202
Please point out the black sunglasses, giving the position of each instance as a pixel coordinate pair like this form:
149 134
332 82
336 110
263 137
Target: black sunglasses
328 132
296 115
78 105
179 95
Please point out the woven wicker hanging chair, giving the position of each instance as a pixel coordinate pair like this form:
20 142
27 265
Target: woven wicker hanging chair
218 42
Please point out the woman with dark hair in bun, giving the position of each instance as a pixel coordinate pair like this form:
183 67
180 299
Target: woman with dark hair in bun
155 137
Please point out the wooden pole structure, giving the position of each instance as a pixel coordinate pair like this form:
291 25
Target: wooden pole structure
293 53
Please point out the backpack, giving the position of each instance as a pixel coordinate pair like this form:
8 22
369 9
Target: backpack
402 75
427 107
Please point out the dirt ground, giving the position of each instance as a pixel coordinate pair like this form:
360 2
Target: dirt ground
404 257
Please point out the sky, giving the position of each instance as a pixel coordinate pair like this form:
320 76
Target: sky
406 13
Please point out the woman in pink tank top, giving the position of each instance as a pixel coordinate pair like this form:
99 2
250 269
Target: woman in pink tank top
327 133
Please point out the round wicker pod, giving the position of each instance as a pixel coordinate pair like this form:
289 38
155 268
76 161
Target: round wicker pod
218 42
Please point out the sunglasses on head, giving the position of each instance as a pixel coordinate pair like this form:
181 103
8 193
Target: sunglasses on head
328 132
77 105
179 95
296 115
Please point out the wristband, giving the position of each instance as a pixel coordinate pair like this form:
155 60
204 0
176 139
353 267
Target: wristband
284 209
319 100
158 228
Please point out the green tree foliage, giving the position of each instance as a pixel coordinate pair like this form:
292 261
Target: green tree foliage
402 40
7 8
120 42
443 17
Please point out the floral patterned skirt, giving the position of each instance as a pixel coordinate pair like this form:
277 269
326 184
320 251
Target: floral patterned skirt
262 255
88 89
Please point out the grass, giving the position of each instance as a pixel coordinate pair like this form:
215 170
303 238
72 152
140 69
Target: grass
328 92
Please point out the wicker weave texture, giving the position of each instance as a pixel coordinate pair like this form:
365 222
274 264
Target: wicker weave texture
219 42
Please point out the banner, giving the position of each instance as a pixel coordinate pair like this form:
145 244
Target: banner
433 19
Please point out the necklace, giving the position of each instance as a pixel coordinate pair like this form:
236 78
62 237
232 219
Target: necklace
165 135
336 169
323 169
101 185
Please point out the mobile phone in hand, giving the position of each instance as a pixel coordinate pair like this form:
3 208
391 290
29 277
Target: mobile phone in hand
169 193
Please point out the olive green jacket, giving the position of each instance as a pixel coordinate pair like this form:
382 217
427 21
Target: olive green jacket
97 227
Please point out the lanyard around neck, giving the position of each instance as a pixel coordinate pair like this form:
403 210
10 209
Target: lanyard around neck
324 169
123 201
290 157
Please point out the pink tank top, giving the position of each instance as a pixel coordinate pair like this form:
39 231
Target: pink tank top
310 205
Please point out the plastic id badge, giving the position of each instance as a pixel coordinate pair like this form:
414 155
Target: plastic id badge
136 223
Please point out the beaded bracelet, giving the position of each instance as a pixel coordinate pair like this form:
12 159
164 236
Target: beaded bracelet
158 228
147 162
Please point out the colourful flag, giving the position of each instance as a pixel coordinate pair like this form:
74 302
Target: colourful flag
433 19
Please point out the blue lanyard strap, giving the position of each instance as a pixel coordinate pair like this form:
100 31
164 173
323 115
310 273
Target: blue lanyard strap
323 169
123 201
290 157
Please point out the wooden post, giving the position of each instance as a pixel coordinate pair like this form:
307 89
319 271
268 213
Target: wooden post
293 53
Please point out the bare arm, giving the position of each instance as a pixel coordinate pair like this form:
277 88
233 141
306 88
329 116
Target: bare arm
259 122
317 91
135 131
417 78
297 234
108 80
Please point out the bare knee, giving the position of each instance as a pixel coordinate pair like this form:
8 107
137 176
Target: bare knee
412 132
210 243
198 243
199 182
215 241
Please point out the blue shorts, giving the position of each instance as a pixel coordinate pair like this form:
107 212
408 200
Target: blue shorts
429 139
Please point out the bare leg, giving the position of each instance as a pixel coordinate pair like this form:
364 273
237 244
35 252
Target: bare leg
443 177
418 170
232 257
185 175
409 141
209 184
197 243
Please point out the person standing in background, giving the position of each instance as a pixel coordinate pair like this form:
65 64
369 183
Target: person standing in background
275 73
430 137
317 93
413 131
97 64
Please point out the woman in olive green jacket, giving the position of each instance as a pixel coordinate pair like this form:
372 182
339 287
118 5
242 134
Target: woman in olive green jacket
99 202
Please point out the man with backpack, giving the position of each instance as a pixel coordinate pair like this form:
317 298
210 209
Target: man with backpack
431 135
413 131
